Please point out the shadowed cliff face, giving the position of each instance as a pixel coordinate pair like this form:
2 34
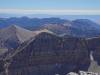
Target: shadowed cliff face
49 54
1 66
94 45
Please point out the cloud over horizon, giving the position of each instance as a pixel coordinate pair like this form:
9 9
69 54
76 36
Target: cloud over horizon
52 11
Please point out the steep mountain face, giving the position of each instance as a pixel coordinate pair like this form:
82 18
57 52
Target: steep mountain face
48 54
12 36
94 45
94 67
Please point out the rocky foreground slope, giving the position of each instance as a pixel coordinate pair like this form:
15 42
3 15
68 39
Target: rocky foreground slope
48 54
45 53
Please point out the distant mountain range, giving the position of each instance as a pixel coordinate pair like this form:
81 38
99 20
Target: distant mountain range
12 34
63 27
29 22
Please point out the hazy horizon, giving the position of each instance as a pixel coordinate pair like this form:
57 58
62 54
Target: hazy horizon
50 7
67 17
67 9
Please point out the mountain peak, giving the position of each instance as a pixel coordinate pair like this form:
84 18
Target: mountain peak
85 21
82 20
14 26
44 30
15 34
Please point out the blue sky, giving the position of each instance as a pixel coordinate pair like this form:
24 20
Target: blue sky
59 7
50 4
51 7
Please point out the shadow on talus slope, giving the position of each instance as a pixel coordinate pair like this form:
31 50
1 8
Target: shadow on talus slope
94 45
49 54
